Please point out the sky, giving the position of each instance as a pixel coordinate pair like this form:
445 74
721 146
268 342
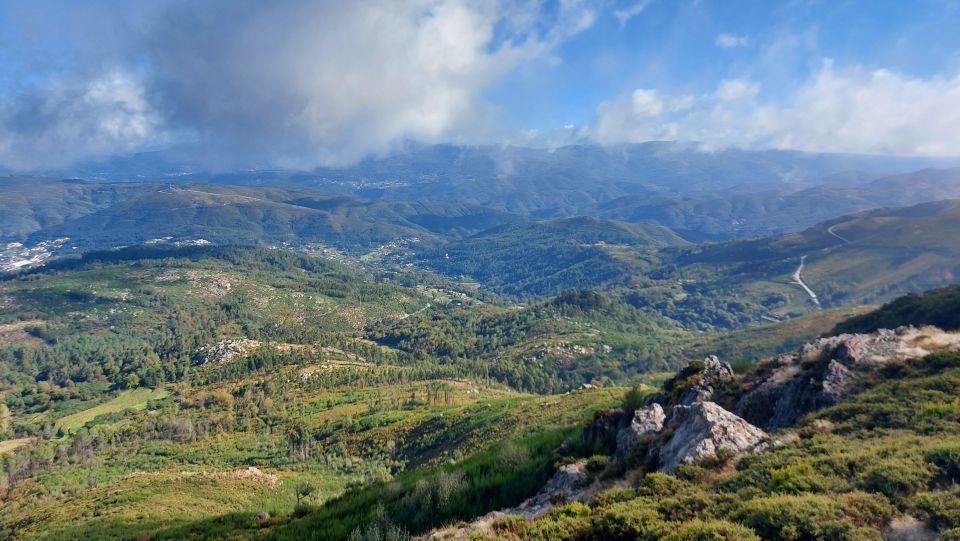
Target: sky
300 84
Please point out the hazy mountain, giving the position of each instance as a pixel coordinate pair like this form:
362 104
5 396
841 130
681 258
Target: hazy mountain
254 215
31 204
705 195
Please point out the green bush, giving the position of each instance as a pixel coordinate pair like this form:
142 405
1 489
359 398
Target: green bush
795 479
616 495
661 485
713 530
941 508
628 521
597 463
570 521
897 480
795 518
947 461
864 509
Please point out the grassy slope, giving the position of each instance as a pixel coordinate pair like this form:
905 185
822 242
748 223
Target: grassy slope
135 399
175 488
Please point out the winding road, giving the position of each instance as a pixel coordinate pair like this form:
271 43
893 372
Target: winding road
798 279
835 234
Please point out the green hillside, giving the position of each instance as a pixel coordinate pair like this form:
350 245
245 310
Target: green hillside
864 258
208 392
939 307
240 215
544 258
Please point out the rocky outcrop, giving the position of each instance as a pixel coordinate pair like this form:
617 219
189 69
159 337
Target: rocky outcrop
702 429
225 351
570 482
606 422
827 370
696 383
682 424
646 422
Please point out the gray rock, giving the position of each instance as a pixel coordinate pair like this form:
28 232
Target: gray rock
646 422
717 370
570 482
822 374
703 429
702 388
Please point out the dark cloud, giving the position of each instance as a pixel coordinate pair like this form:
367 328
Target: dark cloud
292 83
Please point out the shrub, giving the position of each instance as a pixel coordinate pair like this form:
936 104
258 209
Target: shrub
628 521
661 485
896 479
794 518
597 463
687 506
794 479
635 398
692 473
864 509
941 508
616 495
947 461
713 530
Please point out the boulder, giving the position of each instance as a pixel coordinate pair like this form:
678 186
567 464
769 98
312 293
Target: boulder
701 430
646 422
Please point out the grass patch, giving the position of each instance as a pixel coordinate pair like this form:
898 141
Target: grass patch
135 399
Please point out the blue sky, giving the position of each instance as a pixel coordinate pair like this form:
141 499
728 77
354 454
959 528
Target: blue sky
672 45
305 83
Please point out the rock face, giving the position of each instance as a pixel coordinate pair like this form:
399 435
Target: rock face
605 424
646 422
570 482
701 430
698 426
826 370
700 383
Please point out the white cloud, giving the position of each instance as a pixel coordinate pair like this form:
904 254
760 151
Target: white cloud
737 89
646 102
296 83
624 15
730 41
60 121
837 111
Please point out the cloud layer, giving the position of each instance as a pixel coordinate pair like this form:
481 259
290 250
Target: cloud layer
65 120
301 83
288 83
851 110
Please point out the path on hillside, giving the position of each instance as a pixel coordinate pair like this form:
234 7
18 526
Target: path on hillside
835 234
798 279
405 316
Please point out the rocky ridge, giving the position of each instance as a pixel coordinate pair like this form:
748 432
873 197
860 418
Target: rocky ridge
685 422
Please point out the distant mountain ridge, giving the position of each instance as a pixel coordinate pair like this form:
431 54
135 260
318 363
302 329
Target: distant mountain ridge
707 195
224 214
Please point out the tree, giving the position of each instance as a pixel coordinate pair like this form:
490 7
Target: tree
298 441
304 490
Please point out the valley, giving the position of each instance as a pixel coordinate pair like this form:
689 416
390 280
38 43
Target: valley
190 359
479 270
